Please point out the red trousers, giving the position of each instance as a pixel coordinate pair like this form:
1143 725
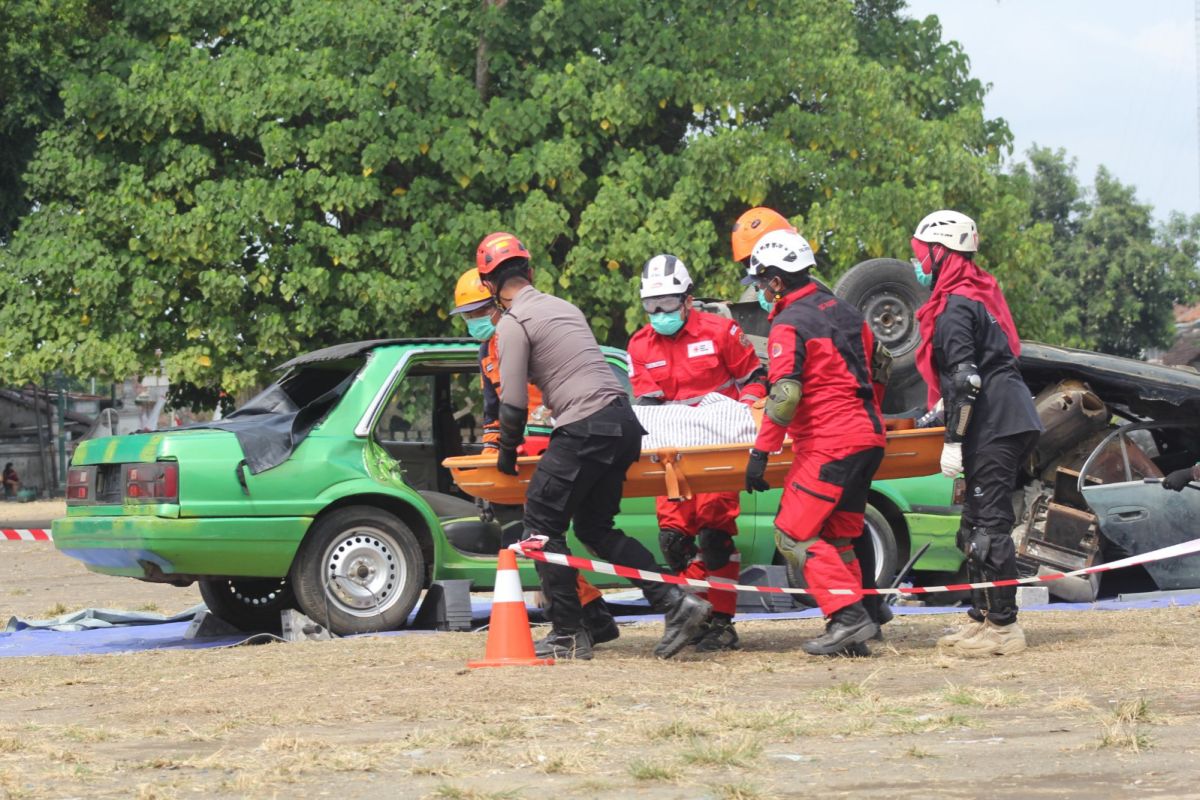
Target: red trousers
716 511
824 499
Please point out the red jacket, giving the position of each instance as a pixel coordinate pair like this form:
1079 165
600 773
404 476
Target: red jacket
823 342
708 354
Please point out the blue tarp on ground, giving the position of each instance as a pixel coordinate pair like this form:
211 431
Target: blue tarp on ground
169 635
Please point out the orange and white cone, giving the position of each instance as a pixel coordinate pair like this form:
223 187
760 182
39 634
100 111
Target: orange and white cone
509 642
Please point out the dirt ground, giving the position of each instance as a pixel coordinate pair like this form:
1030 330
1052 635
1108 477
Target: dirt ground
1104 704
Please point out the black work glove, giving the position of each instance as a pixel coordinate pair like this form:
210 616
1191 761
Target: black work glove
487 512
1179 479
755 468
506 461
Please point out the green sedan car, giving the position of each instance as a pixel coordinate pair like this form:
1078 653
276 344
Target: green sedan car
326 493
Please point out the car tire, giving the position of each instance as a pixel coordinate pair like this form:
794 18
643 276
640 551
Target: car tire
886 555
887 293
248 604
359 570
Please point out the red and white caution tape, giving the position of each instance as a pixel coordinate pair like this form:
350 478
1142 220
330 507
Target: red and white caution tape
25 535
1162 554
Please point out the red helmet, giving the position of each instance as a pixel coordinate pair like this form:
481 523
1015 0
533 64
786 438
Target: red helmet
752 226
495 249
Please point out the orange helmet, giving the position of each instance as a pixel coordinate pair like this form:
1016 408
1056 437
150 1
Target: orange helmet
751 226
469 293
495 249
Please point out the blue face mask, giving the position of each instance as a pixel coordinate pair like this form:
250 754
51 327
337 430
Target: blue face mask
924 278
667 323
766 304
481 328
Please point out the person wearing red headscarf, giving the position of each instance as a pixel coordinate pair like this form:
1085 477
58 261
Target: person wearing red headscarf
968 357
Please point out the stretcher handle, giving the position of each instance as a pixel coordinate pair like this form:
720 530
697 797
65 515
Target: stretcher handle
677 483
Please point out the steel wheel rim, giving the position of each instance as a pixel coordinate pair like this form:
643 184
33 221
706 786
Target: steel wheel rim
892 320
361 572
877 546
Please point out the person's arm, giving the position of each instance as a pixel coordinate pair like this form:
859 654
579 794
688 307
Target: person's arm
646 390
958 367
512 346
785 370
491 408
742 363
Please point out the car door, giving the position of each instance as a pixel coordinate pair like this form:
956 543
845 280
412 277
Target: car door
1140 516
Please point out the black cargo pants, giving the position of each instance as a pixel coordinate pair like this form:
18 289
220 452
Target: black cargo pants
992 473
578 480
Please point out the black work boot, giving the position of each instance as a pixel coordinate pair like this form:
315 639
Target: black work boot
598 619
562 645
683 614
879 612
847 626
718 634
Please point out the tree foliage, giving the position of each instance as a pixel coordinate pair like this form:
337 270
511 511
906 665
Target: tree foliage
1117 275
230 183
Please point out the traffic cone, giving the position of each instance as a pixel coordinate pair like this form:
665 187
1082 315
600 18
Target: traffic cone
509 642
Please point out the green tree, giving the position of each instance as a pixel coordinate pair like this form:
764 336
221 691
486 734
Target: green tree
233 182
37 39
1117 273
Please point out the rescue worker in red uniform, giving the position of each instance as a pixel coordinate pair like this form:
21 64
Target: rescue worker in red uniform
474 302
968 357
679 357
749 228
822 395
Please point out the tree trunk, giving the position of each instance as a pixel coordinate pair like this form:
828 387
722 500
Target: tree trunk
482 73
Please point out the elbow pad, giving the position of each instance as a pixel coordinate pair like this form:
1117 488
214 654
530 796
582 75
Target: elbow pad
512 424
966 384
881 365
782 401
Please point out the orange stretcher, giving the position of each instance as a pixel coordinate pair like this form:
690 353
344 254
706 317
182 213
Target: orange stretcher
679 473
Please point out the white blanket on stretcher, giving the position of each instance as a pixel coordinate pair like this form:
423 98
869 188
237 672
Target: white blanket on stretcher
716 419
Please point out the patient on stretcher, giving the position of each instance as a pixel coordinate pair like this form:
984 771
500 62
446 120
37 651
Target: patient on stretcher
716 419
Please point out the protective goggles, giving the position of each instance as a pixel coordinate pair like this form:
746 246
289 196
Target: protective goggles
663 305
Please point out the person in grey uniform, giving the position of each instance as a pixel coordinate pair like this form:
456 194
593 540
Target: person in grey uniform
546 341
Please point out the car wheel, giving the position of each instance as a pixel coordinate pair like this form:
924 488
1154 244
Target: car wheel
249 604
886 291
883 539
359 570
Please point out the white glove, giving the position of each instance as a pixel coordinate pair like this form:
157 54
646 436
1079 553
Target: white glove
952 459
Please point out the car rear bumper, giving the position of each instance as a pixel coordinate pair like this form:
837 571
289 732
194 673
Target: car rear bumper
155 548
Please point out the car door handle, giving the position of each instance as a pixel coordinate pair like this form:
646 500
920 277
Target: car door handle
1128 513
241 476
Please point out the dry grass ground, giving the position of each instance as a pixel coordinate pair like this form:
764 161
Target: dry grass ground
1102 705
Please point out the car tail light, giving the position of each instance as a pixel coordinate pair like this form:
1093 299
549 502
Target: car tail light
80 482
152 483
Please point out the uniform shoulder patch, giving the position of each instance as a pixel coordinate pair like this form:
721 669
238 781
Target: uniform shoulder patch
776 349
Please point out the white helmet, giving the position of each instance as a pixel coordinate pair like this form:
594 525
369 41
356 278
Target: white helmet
785 250
665 275
950 228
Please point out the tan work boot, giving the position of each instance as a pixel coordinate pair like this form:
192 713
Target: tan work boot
962 633
993 640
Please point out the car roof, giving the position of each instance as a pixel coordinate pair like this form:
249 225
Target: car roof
351 349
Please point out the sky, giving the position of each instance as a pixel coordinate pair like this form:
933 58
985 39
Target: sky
1112 82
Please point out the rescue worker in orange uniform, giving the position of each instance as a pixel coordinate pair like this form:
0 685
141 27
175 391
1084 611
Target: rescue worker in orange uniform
475 303
679 357
822 395
749 228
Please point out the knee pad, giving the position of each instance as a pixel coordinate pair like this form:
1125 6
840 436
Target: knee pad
677 548
794 552
716 547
